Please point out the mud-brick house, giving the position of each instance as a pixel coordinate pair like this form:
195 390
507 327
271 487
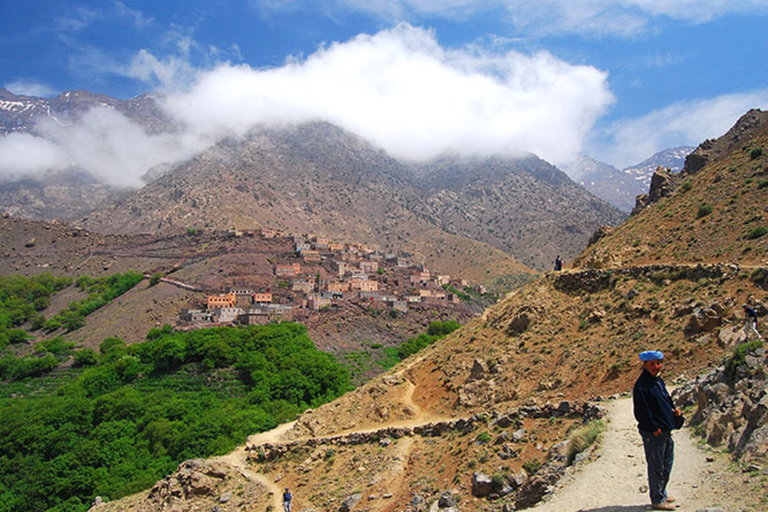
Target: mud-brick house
316 302
303 285
302 245
335 247
337 286
342 267
363 285
369 296
323 247
220 301
369 266
287 269
226 314
262 298
265 313
400 305
310 256
196 316
421 278
442 279
267 233
242 298
435 296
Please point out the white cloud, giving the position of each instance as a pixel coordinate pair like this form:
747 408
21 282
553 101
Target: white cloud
405 93
617 17
27 88
686 123
399 89
22 154
170 73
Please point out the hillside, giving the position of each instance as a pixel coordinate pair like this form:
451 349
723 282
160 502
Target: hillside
713 211
525 207
316 178
500 394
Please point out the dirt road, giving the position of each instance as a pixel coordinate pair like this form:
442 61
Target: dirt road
617 481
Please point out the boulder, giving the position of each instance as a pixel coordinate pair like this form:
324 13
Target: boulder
482 485
730 336
349 503
702 320
446 500
516 480
479 371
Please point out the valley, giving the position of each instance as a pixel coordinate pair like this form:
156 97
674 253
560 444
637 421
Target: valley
482 418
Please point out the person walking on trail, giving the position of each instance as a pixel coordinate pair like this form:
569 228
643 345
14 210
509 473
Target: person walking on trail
558 264
656 417
750 322
287 500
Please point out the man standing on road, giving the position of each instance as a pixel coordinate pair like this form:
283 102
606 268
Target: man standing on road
656 417
750 322
287 500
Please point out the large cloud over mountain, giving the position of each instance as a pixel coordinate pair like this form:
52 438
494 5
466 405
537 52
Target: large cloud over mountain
398 88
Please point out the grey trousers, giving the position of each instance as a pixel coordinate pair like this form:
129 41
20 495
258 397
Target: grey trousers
659 456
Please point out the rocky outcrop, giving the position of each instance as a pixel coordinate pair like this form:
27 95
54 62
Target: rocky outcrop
732 405
712 150
194 478
544 480
663 183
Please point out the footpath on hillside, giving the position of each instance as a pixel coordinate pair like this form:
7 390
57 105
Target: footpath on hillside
617 480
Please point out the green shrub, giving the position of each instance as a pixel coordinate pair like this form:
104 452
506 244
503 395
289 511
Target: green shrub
483 437
155 278
756 153
759 276
532 466
86 357
704 210
583 437
738 358
757 232
686 186
98 435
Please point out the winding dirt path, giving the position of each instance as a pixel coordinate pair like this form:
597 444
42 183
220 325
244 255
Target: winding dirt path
238 459
617 481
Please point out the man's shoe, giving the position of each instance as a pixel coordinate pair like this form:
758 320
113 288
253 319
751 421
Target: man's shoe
670 499
662 506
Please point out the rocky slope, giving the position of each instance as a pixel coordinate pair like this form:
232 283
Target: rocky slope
714 210
318 178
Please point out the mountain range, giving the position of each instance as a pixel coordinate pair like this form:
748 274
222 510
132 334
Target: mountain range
480 217
621 187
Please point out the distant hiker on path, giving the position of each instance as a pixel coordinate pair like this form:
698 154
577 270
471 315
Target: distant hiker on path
750 322
558 263
656 417
287 500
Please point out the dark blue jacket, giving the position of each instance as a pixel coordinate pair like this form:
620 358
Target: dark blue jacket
653 406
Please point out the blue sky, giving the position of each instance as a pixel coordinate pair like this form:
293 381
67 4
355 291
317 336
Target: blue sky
616 79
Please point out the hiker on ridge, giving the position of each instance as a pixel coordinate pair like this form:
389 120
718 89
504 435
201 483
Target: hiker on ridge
750 322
